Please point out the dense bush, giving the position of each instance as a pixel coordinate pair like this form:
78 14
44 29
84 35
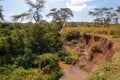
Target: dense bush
47 62
44 38
48 65
11 73
4 46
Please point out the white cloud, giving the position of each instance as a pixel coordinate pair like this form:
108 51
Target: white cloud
79 1
77 5
33 1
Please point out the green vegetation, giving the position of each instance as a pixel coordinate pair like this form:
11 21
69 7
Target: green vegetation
33 12
61 16
74 56
25 47
107 71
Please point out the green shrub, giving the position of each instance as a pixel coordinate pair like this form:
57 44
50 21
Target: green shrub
62 54
47 62
74 56
44 38
101 72
68 60
9 72
48 65
98 75
19 61
28 58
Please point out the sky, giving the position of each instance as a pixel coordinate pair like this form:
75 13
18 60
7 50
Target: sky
80 8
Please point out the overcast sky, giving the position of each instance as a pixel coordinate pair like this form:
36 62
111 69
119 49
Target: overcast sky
80 8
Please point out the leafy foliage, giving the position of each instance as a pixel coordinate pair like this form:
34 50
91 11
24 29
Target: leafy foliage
44 38
61 16
33 12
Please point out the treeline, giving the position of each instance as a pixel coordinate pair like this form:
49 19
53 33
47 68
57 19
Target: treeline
106 15
102 16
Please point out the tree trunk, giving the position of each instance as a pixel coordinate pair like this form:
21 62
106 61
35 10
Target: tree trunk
116 20
63 26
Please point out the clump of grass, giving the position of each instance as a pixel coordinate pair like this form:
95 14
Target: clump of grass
107 71
117 58
101 72
71 57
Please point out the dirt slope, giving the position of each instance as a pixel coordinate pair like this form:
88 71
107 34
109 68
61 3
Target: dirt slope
94 49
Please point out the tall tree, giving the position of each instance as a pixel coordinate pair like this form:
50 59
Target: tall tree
107 15
117 15
61 16
1 15
33 12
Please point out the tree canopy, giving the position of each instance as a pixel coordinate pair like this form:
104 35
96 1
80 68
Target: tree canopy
61 15
33 13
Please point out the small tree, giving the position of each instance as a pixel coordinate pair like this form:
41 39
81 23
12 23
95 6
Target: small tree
33 12
61 16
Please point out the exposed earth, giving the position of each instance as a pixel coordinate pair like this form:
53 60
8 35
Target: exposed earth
94 49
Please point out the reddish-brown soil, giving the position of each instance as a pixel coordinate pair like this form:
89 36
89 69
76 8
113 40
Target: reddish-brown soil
94 50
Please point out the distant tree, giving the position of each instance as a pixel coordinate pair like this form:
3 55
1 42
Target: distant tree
117 15
97 13
1 15
20 17
108 15
61 16
33 12
103 15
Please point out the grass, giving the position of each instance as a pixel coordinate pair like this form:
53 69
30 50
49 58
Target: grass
113 31
107 71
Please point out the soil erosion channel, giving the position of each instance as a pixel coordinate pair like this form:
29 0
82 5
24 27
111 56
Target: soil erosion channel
94 49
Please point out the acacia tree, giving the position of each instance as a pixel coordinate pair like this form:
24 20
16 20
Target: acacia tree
104 15
107 15
1 15
97 13
33 12
61 16
117 15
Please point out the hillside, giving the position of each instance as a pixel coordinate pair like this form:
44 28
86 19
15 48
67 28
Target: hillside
97 49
